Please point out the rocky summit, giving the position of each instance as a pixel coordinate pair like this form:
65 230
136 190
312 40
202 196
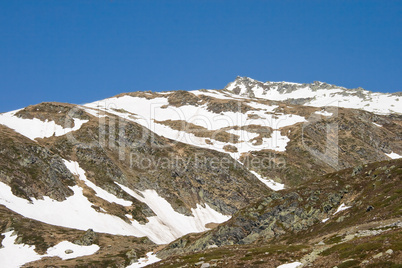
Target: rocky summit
257 174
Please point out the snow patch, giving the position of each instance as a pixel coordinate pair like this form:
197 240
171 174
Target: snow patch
77 212
96 113
341 208
74 212
16 255
59 250
276 186
105 195
290 265
142 262
35 128
393 155
324 113
168 224
325 220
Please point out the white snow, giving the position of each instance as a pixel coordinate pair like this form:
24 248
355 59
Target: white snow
77 212
15 255
393 155
35 128
78 251
341 208
111 198
290 265
142 262
168 224
94 112
148 111
212 93
378 125
324 113
74 212
380 103
325 220
276 186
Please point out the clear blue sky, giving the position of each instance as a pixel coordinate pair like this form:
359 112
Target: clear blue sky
82 51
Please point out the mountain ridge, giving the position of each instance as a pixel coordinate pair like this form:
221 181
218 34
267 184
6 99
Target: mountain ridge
163 165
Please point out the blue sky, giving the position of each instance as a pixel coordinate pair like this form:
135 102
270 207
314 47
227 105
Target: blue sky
82 51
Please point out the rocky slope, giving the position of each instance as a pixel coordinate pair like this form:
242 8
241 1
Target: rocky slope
144 168
333 213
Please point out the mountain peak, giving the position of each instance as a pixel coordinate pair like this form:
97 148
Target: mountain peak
316 94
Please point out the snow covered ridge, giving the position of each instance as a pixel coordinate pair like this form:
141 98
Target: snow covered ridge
316 94
151 112
35 128
77 212
16 255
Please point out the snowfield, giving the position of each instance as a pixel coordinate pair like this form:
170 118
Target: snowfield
77 212
147 111
75 169
35 128
379 103
168 224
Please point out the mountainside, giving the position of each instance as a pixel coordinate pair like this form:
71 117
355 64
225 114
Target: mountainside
322 209
178 172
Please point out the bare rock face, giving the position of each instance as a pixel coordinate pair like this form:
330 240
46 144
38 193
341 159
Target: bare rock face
89 238
132 256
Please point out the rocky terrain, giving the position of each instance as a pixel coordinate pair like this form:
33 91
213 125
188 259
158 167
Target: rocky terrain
255 174
328 217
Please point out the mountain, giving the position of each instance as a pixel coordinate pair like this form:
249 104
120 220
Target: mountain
254 165
317 94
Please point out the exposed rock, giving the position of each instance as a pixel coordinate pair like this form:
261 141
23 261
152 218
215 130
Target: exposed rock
369 208
181 97
389 252
32 170
379 255
89 238
230 148
357 170
132 256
